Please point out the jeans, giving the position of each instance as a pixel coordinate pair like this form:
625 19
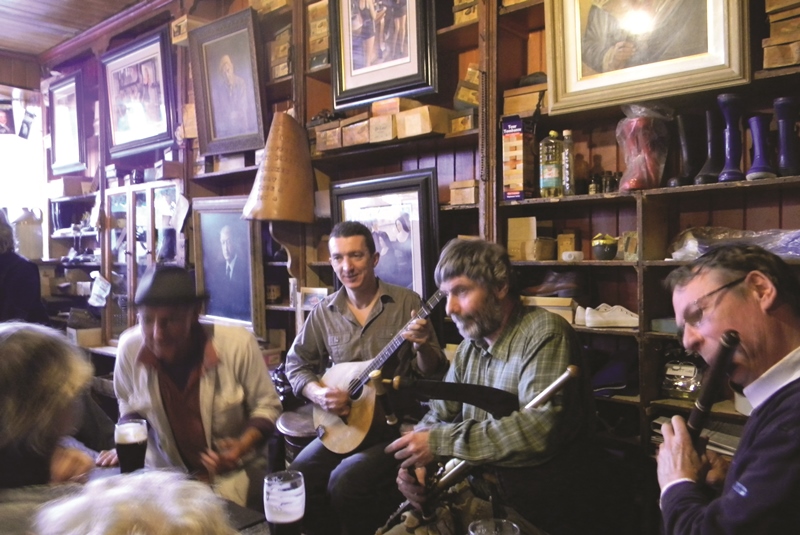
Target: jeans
353 493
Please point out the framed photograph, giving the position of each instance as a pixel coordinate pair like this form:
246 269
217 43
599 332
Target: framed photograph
381 50
6 117
605 53
226 69
68 153
228 262
139 94
310 297
402 212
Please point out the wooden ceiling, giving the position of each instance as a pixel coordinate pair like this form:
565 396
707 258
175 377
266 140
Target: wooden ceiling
32 27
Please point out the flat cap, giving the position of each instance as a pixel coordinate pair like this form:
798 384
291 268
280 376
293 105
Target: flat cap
167 285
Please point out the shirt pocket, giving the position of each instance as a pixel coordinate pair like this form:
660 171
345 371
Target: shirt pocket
340 346
229 407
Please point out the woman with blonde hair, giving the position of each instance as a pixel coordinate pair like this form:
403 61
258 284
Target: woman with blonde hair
42 377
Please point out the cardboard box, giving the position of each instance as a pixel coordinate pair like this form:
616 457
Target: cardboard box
467 96
473 74
563 306
86 337
464 120
181 28
533 250
519 164
464 192
166 169
355 130
522 229
565 242
423 120
465 14
280 70
524 99
69 186
382 128
329 136
391 106
279 51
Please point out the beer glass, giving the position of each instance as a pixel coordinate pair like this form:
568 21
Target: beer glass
493 526
131 440
284 502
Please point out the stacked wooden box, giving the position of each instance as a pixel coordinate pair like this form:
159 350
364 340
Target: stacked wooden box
782 47
280 53
318 42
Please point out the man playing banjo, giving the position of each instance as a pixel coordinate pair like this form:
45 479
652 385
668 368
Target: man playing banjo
356 491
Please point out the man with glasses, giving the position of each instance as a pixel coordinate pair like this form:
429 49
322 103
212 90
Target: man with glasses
754 292
357 490
204 389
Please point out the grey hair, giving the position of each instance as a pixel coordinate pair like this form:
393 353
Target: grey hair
484 262
41 375
737 260
150 502
6 234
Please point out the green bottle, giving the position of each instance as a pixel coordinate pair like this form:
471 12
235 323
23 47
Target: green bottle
551 166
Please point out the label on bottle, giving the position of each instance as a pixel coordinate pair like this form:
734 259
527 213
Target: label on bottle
550 176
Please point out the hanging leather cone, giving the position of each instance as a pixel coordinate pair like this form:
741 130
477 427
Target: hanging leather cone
284 186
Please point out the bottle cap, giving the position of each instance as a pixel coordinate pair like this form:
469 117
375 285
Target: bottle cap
567 132
553 133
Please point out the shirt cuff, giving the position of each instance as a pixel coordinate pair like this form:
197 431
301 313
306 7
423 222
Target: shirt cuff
672 484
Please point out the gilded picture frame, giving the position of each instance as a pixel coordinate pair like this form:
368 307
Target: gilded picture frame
598 56
68 153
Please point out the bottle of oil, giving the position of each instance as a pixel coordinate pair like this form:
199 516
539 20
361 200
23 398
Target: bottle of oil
551 166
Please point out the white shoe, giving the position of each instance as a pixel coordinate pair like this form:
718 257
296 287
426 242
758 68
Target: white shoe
617 316
580 313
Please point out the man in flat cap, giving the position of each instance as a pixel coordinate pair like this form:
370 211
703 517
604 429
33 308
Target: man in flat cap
203 389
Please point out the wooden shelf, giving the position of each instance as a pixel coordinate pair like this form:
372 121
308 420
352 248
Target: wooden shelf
320 74
613 331
221 178
620 399
281 307
615 197
721 409
457 38
452 207
89 197
765 183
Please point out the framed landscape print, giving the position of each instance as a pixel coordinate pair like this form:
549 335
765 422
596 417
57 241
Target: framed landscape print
381 50
139 94
66 125
401 211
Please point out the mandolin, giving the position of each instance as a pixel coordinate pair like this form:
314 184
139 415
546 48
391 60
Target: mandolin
343 435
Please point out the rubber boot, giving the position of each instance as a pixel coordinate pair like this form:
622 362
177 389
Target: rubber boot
715 159
691 157
786 114
759 128
731 106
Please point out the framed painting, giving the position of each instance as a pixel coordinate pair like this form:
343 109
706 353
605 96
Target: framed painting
381 50
401 210
138 100
68 152
226 69
228 263
601 54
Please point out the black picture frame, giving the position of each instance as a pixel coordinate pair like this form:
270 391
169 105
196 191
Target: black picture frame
67 134
381 203
402 70
139 96
239 301
227 74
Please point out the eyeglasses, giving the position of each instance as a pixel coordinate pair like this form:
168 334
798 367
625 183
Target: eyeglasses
695 316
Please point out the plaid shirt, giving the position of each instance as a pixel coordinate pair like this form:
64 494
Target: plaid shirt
535 347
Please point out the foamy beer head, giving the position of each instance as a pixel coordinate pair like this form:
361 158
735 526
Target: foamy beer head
131 441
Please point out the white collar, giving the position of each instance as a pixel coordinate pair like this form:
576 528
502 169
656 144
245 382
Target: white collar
779 375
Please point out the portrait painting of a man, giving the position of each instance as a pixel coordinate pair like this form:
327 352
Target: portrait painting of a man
226 265
232 88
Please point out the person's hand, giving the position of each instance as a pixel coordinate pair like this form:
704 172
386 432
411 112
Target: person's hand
227 457
107 458
718 469
413 448
411 488
618 56
333 400
677 457
70 465
417 331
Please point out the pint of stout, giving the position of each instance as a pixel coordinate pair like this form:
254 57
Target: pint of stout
131 441
284 502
